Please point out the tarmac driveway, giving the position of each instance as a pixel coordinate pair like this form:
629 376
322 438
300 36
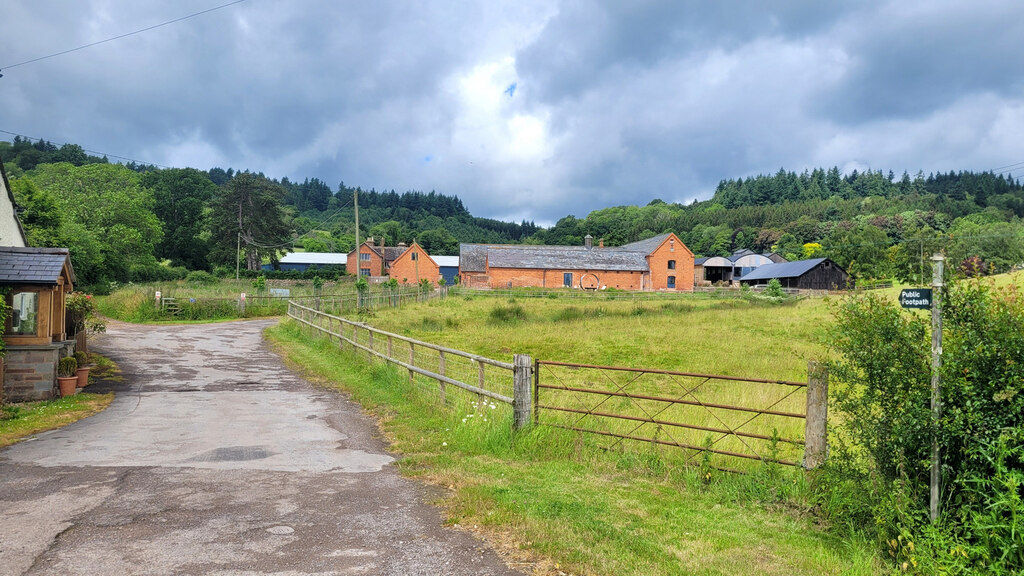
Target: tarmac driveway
216 459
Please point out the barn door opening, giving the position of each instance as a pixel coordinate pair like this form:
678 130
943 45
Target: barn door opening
567 279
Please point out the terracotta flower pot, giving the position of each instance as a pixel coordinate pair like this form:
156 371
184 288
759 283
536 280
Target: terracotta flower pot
68 385
83 376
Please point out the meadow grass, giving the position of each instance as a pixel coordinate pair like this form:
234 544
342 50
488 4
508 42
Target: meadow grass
18 421
565 502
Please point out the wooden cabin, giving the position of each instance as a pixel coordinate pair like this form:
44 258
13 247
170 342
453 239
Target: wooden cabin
38 281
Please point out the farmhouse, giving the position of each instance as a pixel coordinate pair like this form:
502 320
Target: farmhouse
407 264
727 269
813 274
659 263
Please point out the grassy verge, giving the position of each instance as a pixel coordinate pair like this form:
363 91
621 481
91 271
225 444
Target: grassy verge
562 504
18 421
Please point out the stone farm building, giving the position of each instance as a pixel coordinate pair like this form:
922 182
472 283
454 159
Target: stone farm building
813 274
406 264
659 263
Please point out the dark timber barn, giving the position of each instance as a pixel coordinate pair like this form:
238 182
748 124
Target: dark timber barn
813 274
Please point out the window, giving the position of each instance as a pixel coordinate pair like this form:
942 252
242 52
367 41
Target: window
671 281
671 264
364 271
364 256
415 256
567 279
24 313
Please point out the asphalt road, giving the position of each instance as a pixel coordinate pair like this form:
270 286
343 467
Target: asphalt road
216 459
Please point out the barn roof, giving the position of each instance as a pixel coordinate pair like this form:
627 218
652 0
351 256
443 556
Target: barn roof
783 270
567 257
473 257
319 258
646 246
33 265
447 261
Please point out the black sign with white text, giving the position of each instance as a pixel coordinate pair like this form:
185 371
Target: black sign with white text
916 298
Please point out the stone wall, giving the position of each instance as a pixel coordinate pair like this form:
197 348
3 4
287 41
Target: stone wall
30 372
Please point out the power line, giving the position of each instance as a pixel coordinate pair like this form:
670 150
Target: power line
315 227
94 152
61 53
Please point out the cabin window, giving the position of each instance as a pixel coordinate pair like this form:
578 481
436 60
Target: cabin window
671 264
415 256
671 281
25 313
364 271
567 279
364 256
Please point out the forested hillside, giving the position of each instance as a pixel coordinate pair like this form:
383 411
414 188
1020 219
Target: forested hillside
128 222
874 224
136 222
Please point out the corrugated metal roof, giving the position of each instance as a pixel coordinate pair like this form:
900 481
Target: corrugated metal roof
448 261
717 262
320 258
783 270
33 265
560 257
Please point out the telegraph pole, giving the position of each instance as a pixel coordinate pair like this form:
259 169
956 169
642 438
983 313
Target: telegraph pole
936 384
355 200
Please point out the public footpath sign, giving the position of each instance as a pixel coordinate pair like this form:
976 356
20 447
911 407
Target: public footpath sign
916 298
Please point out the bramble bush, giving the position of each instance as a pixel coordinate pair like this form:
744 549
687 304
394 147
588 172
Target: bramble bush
881 462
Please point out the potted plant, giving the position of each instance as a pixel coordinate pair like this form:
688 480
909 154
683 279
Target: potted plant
83 368
67 378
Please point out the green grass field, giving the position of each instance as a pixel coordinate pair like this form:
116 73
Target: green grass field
585 506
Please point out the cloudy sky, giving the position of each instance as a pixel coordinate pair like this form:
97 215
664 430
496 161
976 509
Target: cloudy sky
528 108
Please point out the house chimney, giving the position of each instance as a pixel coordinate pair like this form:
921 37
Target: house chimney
600 243
588 241
401 244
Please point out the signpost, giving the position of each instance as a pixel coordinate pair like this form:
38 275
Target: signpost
922 298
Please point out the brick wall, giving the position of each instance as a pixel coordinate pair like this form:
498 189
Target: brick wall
522 277
672 249
375 263
409 271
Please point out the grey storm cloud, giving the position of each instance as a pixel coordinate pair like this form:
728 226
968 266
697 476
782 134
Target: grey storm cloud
529 109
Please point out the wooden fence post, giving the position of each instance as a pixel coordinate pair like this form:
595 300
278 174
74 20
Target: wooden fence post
816 423
521 396
369 355
481 381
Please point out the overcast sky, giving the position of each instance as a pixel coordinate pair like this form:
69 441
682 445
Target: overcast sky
529 108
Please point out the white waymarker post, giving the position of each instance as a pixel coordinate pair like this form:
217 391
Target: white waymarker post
938 259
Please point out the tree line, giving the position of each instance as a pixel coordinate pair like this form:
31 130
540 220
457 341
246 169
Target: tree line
137 222
134 222
874 224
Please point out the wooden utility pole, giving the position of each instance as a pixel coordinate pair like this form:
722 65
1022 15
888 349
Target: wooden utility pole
936 384
355 200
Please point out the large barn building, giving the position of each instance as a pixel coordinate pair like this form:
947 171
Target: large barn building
813 274
659 263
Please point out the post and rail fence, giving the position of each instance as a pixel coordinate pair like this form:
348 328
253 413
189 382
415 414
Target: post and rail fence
717 417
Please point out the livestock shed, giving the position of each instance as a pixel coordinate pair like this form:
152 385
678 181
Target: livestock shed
728 269
813 274
659 263
449 267
301 261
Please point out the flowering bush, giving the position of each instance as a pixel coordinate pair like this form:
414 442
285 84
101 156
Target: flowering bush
81 313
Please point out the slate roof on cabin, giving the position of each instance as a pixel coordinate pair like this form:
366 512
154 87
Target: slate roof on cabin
33 265
573 258
783 270
391 253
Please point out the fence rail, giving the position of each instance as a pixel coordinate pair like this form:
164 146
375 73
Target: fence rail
441 365
764 423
